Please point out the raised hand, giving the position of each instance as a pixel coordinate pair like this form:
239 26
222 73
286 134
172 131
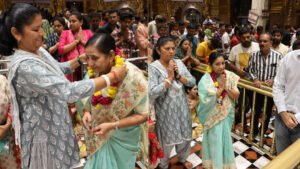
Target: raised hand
171 69
222 82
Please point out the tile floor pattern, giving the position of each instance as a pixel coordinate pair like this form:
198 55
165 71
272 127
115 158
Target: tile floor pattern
246 155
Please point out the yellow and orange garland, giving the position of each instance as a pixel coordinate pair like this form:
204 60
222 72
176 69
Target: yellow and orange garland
97 98
216 83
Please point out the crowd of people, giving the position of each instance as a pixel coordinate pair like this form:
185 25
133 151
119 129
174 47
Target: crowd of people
122 115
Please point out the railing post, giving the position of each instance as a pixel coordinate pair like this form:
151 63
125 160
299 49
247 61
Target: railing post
242 129
261 141
252 117
273 148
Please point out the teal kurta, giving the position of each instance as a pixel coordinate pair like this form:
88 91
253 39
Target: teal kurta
217 149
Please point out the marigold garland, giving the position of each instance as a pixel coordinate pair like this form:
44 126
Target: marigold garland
98 99
216 83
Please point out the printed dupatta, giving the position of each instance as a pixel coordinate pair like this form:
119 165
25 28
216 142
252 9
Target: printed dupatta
131 97
208 112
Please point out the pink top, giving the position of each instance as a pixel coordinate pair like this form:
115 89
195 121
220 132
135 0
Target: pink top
66 38
142 40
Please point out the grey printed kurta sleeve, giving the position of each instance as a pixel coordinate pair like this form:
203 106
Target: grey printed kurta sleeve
65 67
40 80
155 86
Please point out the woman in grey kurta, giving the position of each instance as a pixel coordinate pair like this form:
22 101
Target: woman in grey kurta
173 126
40 92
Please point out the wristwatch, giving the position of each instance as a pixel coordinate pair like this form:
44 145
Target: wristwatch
78 60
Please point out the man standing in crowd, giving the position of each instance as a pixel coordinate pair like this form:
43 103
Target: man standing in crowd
259 30
95 22
124 37
240 54
262 67
112 22
181 28
220 32
277 35
238 61
209 33
286 40
205 48
226 39
152 25
142 38
286 97
105 16
207 20
191 35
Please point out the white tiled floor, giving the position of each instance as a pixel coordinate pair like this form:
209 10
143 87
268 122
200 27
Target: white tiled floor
194 159
261 162
239 147
241 162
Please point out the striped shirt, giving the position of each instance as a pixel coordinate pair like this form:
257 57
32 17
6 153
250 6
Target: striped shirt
262 68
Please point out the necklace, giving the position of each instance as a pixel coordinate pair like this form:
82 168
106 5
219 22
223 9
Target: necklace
98 99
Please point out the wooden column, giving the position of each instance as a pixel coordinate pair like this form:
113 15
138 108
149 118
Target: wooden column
84 6
214 8
4 4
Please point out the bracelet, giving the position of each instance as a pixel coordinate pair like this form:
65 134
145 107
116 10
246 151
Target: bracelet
168 81
116 126
115 75
78 60
106 80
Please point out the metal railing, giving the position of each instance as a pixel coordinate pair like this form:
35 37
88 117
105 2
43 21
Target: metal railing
246 84
287 159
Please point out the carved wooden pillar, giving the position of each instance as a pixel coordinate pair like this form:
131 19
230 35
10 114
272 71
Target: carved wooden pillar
214 8
4 4
84 6
289 12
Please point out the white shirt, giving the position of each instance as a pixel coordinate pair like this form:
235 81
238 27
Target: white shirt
286 88
240 55
152 28
282 49
226 39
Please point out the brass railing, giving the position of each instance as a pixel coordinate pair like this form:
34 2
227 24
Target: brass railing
246 84
287 159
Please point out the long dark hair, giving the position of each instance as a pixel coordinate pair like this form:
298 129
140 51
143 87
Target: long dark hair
160 42
19 15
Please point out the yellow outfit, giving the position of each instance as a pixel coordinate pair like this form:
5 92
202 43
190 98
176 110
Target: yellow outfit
203 50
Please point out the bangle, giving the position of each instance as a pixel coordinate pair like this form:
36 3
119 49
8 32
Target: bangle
116 126
78 60
115 75
168 81
106 80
